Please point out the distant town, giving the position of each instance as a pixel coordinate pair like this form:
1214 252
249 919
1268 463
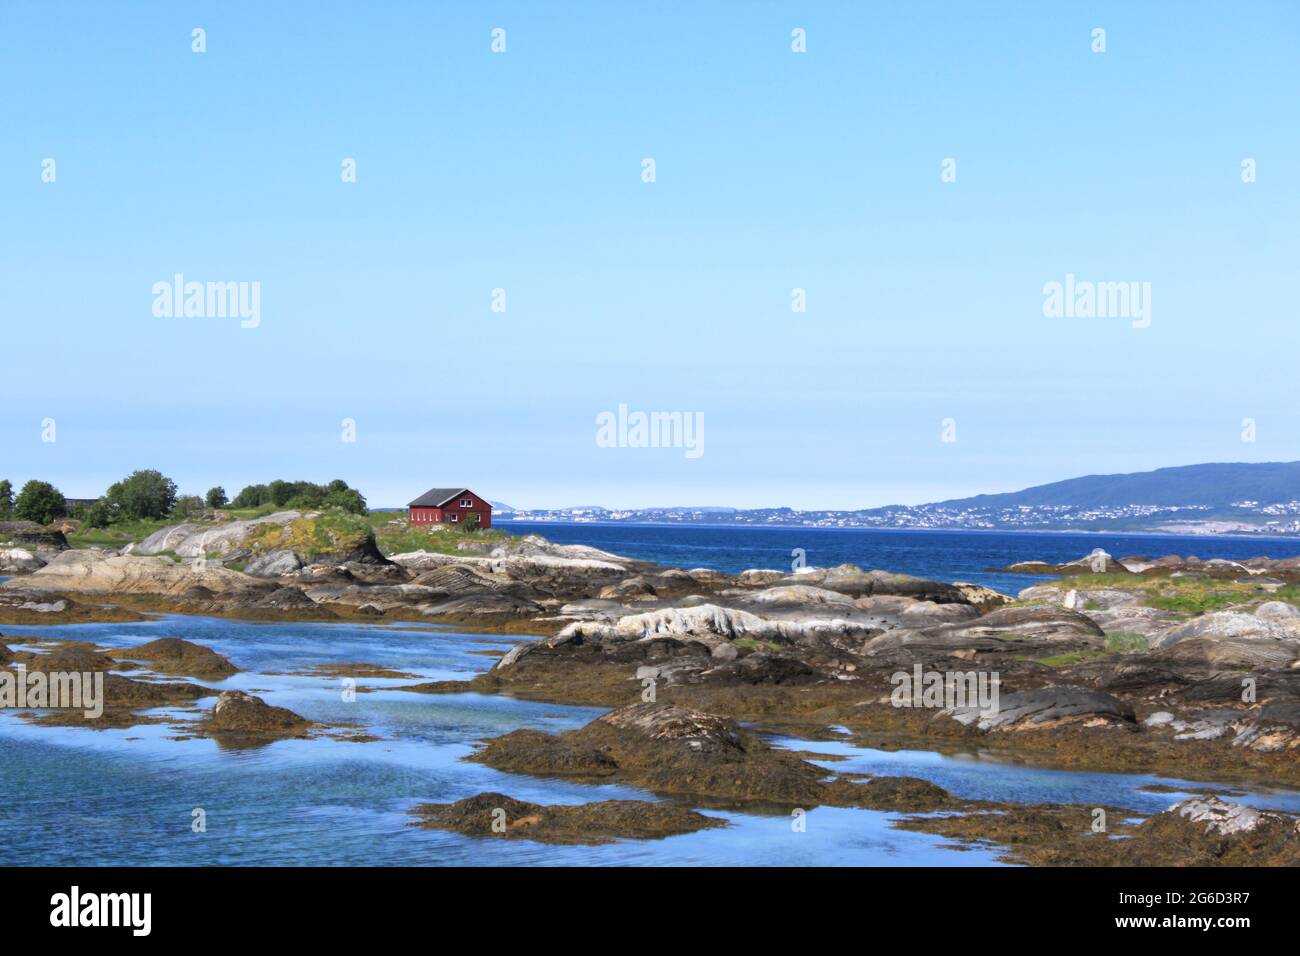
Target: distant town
1241 517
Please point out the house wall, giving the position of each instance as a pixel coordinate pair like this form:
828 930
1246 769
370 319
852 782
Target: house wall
454 507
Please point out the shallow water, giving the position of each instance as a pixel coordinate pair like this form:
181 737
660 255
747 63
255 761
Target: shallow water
83 797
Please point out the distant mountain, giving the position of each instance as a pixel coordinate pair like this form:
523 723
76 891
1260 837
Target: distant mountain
1212 485
1223 498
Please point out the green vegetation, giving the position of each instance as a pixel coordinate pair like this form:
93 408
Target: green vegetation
216 498
1190 595
300 496
1195 603
395 535
116 535
141 495
1121 642
6 499
330 532
751 644
41 502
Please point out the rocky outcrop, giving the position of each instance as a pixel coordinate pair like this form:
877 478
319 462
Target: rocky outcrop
710 624
238 715
19 561
1020 630
181 658
1234 624
675 750
1220 817
274 564
494 815
208 541
1047 708
99 572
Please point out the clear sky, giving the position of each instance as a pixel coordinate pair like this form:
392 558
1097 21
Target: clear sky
522 171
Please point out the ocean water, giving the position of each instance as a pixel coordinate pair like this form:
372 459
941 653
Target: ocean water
73 796
940 555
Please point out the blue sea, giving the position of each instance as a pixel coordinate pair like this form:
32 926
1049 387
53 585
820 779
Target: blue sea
940 555
72 796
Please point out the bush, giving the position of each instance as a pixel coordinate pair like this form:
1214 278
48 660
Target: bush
302 495
98 515
41 502
216 498
188 506
143 495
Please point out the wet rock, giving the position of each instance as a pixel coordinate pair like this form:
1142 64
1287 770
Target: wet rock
237 714
496 815
174 656
668 722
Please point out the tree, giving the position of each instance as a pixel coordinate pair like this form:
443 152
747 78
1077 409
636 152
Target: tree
6 499
471 522
188 506
216 498
41 502
143 495
98 515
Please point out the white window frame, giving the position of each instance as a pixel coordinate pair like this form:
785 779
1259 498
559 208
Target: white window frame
467 502
454 517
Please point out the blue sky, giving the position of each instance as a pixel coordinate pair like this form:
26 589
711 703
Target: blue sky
522 171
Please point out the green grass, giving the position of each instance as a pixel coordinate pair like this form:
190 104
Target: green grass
750 644
118 535
1196 602
403 538
1121 642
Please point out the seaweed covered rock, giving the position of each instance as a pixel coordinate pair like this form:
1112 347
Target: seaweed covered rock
237 714
175 656
497 815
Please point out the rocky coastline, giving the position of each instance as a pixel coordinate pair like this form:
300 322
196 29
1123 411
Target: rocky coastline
1171 665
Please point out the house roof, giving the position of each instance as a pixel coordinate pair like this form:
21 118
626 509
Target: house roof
436 497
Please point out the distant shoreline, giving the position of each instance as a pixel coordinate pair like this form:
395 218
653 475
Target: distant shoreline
498 521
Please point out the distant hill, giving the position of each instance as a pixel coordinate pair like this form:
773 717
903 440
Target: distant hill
1212 485
1225 498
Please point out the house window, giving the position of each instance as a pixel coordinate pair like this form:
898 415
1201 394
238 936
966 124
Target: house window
467 502
455 517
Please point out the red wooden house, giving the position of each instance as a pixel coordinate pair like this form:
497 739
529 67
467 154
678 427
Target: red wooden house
450 506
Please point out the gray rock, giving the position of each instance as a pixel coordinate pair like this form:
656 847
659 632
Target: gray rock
1219 816
1235 624
1047 707
273 564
